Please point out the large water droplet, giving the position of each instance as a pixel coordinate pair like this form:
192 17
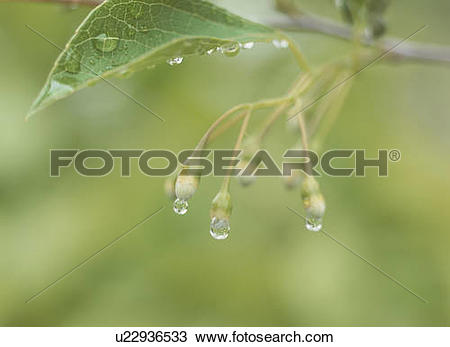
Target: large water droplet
175 61
231 50
57 88
180 207
314 224
248 45
220 228
105 43
280 43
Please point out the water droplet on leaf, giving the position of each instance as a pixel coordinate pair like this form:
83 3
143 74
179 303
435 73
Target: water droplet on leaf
59 88
280 43
106 44
220 228
248 45
175 61
180 207
231 50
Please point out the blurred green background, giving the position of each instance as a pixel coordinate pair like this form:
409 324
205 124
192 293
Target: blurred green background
271 271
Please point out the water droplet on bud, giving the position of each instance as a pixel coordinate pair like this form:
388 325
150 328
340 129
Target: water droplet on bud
280 43
180 207
314 224
220 228
175 61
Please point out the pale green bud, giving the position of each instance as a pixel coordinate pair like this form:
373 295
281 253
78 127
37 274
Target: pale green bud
220 216
221 207
313 203
314 206
169 187
186 186
309 187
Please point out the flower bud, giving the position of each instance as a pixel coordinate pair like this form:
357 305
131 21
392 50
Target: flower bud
221 205
186 186
169 187
309 187
313 203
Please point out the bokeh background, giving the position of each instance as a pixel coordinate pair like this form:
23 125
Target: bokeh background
271 271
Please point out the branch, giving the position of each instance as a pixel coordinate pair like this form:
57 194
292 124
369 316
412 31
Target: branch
407 51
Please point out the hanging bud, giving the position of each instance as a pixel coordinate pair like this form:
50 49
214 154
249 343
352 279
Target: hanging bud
220 215
185 188
313 203
292 181
169 187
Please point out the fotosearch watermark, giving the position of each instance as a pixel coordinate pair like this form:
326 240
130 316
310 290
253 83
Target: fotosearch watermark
221 163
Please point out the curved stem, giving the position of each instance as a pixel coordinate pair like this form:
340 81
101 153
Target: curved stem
271 120
205 138
304 135
299 87
237 146
299 57
226 126
331 118
413 51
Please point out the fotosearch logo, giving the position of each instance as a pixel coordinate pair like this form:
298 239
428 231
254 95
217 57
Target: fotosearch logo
220 163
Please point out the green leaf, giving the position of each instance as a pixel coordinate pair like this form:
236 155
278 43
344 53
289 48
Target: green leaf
122 36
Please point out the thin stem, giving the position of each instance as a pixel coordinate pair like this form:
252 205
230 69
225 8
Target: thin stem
226 126
331 118
271 120
304 134
325 105
255 106
237 146
205 138
303 131
299 87
413 51
299 57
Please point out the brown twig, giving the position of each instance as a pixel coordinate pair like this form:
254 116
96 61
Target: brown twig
420 52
